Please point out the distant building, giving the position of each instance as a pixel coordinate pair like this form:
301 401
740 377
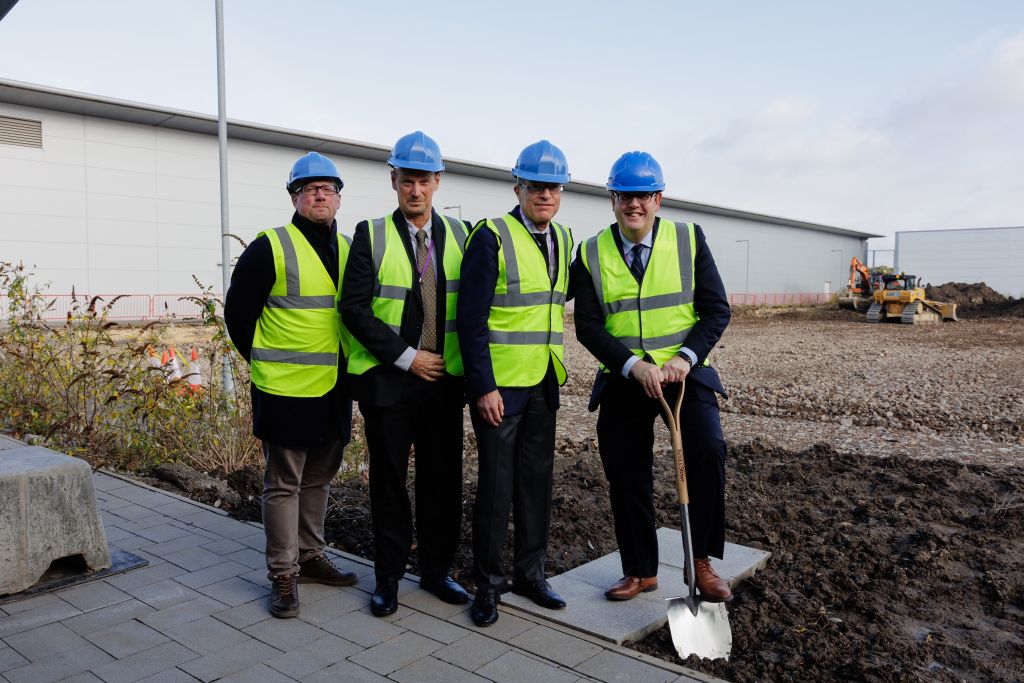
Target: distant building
112 197
994 256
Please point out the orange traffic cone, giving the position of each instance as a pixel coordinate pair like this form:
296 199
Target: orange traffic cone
151 358
194 377
175 365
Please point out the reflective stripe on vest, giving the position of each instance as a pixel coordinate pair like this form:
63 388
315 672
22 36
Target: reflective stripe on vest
393 279
653 319
527 316
298 335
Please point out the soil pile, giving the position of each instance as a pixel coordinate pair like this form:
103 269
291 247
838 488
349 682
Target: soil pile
963 293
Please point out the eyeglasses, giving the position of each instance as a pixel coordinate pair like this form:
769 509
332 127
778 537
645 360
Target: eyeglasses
628 197
539 189
328 190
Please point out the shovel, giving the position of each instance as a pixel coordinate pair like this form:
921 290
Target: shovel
698 627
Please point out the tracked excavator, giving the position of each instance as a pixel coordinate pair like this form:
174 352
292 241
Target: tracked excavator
901 299
858 295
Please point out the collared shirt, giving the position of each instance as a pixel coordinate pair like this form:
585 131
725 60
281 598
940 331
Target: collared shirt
550 241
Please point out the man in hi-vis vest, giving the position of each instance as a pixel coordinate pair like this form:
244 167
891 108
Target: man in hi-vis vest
282 314
405 370
650 306
511 311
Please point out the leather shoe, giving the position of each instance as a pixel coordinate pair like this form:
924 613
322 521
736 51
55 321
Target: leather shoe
446 589
284 596
628 587
385 598
484 611
540 592
320 569
713 587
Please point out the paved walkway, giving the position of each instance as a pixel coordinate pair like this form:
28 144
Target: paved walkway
199 611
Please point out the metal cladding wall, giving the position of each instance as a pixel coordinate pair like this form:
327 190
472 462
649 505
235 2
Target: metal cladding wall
114 207
994 256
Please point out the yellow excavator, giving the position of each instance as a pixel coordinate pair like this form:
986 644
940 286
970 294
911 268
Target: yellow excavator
901 299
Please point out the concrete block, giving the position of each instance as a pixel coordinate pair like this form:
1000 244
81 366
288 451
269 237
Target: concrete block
48 505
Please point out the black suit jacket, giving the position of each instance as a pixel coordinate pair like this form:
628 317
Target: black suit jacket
385 384
710 302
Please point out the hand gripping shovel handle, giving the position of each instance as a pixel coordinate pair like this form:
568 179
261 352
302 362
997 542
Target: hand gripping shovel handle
672 418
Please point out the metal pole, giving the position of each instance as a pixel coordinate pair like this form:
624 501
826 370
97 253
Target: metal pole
222 140
746 282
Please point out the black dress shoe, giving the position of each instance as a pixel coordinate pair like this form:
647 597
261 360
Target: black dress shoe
540 592
484 611
385 597
284 596
446 589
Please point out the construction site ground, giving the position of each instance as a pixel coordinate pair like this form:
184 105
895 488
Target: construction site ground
881 465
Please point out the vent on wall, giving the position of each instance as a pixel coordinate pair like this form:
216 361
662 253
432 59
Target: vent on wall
21 132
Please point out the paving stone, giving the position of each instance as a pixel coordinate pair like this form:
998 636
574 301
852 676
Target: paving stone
245 615
26 604
559 647
176 508
145 576
145 663
740 562
309 592
163 594
235 591
507 626
126 639
174 675
163 532
432 627
47 613
105 617
249 557
84 677
115 534
430 670
345 671
423 601
10 659
41 643
223 546
105 482
318 655
362 628
258 674
256 540
194 559
613 667
394 654
144 496
513 667
206 635
284 634
60 665
224 569
231 660
473 651
93 595
329 608
182 613
169 550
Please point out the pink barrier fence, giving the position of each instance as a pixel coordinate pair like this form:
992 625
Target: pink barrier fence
123 307
778 299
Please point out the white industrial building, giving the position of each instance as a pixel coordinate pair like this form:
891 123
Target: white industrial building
994 256
114 197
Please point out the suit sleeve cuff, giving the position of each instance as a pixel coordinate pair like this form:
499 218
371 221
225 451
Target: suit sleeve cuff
404 362
689 354
629 365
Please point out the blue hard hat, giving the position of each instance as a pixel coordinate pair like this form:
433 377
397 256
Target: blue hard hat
636 172
313 165
542 162
417 151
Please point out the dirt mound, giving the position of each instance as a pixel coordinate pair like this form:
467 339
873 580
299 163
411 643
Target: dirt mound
963 293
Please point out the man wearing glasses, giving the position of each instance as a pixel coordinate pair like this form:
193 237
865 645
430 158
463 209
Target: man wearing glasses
650 306
510 316
282 314
400 287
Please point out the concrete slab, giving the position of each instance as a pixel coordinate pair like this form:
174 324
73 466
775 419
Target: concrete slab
626 622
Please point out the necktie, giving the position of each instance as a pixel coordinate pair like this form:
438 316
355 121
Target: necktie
428 292
636 264
542 242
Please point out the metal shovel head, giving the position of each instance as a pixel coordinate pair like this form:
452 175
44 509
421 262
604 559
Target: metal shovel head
703 631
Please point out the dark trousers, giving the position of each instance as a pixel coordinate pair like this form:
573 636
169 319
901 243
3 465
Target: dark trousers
516 459
625 433
429 418
296 486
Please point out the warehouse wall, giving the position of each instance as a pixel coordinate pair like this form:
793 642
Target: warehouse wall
994 256
110 207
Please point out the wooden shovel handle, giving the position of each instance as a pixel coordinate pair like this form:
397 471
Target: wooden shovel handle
672 418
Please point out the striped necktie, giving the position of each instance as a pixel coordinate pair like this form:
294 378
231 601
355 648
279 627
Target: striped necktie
636 263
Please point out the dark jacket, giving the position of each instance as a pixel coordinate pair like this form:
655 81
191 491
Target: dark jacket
710 302
285 420
384 385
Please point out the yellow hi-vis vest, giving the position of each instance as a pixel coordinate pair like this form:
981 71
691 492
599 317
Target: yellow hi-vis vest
527 317
654 318
394 279
298 335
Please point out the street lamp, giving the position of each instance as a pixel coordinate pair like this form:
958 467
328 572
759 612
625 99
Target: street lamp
746 282
456 206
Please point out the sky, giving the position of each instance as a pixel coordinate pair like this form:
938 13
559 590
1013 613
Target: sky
870 115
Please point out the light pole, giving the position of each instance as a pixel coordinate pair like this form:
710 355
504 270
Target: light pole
746 282
455 206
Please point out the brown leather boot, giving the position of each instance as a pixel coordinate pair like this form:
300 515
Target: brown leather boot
713 587
628 587
284 596
320 569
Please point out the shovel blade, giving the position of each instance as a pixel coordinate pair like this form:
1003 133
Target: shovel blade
703 631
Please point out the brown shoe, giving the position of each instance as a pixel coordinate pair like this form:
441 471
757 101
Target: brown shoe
713 587
284 596
628 587
320 569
